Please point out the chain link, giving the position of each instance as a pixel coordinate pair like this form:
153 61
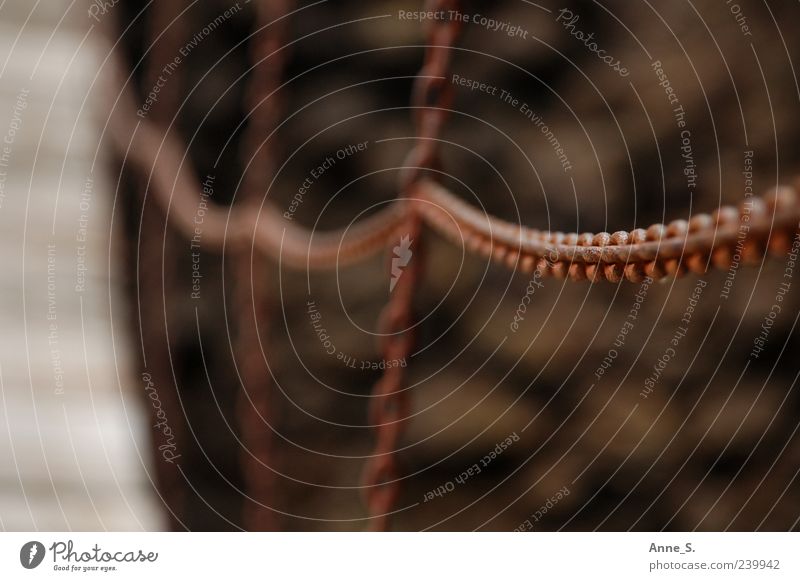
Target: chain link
661 250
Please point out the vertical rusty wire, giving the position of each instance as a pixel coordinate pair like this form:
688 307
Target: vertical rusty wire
390 405
251 273
157 258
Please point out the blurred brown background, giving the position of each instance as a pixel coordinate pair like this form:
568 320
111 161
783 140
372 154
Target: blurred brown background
713 447
707 449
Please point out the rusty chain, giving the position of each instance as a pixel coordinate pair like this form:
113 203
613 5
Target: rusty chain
660 250
176 188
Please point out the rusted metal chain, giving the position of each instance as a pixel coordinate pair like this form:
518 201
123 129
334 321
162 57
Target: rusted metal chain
251 274
768 224
618 255
389 407
177 190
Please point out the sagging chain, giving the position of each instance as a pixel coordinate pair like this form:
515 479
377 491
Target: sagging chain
250 304
746 233
175 188
693 245
390 402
